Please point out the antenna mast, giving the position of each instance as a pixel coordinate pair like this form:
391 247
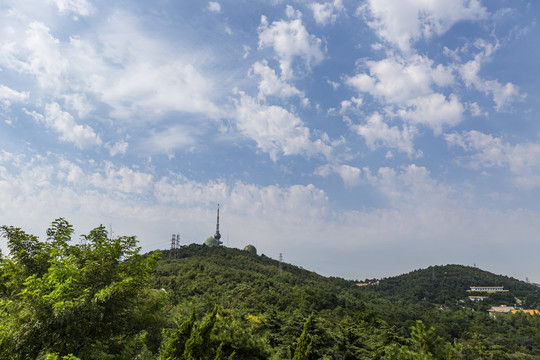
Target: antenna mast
175 244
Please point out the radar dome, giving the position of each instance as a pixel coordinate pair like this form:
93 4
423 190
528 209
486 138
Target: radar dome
251 249
211 241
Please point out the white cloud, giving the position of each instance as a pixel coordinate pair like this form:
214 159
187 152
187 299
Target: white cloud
377 133
292 13
410 185
523 159
43 55
120 66
214 6
247 50
326 13
8 95
174 137
155 89
123 179
401 22
503 95
434 111
396 81
408 84
118 148
77 7
276 130
350 175
272 85
83 136
291 42
78 103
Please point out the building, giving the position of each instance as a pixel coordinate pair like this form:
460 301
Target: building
501 309
488 289
369 283
477 298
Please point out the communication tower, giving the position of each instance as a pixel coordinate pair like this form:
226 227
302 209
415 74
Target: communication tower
175 244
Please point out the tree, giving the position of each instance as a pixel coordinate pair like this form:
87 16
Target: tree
85 299
304 344
177 343
190 342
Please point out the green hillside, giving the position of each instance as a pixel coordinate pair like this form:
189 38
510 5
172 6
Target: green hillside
101 299
351 322
448 284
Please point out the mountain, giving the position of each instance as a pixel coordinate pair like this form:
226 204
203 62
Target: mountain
265 304
449 283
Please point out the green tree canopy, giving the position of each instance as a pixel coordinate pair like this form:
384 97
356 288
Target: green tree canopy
87 299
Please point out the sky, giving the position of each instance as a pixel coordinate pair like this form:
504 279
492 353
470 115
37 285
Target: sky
359 139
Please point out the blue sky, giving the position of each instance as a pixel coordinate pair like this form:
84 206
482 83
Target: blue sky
359 138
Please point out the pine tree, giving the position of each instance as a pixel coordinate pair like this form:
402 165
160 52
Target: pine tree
303 348
196 345
177 345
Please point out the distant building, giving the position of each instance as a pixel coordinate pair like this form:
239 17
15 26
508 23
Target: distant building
536 284
501 309
488 289
370 283
477 298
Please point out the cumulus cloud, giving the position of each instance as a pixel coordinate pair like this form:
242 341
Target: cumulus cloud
395 80
434 111
402 22
503 95
296 49
214 6
118 148
121 67
522 159
40 55
327 12
174 137
377 133
8 95
122 179
409 85
83 136
272 85
76 7
276 130
350 175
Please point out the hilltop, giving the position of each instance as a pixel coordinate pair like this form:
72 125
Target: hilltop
448 284
351 321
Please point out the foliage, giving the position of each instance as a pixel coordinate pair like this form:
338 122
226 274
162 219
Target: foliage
190 342
100 299
305 344
449 284
90 299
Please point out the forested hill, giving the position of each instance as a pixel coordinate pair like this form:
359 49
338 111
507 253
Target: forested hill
448 284
234 277
100 299
268 303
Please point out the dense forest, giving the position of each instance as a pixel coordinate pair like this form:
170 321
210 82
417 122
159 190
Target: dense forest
99 298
